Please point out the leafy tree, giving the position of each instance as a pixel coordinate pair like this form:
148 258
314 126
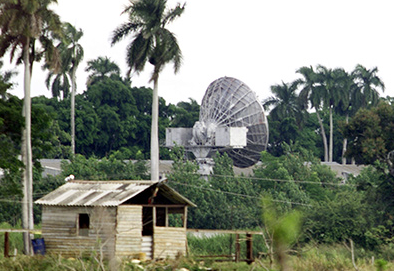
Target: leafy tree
152 42
185 114
109 168
338 219
11 125
5 81
45 143
224 202
369 134
281 131
23 24
277 178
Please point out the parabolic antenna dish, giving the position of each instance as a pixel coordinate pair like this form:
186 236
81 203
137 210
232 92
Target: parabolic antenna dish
228 102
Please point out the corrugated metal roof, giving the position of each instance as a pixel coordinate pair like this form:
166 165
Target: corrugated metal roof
102 193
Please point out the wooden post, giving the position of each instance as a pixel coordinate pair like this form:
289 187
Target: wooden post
237 248
249 248
6 245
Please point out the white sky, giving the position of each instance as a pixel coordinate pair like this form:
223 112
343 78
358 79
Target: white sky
260 42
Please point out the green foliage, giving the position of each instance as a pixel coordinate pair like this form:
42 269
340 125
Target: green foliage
15 239
105 169
281 131
11 124
338 219
278 178
284 228
111 116
370 132
381 265
185 114
224 201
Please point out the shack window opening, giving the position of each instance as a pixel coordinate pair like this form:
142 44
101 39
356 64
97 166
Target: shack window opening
83 224
176 217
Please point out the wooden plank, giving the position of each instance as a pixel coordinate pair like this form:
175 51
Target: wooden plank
35 231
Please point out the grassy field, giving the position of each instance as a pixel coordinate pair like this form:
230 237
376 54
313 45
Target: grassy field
314 260
334 257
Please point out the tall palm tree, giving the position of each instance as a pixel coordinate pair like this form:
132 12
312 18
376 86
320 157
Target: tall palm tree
334 81
313 93
101 68
152 42
72 55
23 24
367 83
285 102
346 106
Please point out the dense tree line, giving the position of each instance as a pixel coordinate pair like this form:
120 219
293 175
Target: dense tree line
333 95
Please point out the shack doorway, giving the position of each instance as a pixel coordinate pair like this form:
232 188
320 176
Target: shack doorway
147 231
147 221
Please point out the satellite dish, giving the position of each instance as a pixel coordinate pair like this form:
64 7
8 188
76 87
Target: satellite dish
231 120
228 102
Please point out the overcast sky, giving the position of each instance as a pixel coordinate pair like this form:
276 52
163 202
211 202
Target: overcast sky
260 42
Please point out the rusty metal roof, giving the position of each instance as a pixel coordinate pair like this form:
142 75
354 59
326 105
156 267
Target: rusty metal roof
103 193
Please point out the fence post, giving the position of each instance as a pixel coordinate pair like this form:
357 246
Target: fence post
249 248
6 244
237 248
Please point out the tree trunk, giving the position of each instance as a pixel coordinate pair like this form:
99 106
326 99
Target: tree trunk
344 147
323 134
73 87
27 202
154 144
331 137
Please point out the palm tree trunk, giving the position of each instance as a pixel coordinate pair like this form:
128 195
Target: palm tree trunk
344 146
323 134
154 144
73 111
27 202
331 137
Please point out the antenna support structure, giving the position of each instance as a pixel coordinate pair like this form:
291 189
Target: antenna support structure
231 120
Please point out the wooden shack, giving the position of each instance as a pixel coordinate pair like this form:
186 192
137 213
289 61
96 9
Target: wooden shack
115 218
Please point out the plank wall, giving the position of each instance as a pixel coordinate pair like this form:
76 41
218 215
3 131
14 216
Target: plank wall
129 231
169 242
60 231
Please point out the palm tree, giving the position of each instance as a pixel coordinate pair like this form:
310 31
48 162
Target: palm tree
22 25
71 53
58 82
346 106
154 43
314 93
100 68
334 81
285 102
367 83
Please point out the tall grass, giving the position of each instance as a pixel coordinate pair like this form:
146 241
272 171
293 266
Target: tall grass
307 258
15 238
223 244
